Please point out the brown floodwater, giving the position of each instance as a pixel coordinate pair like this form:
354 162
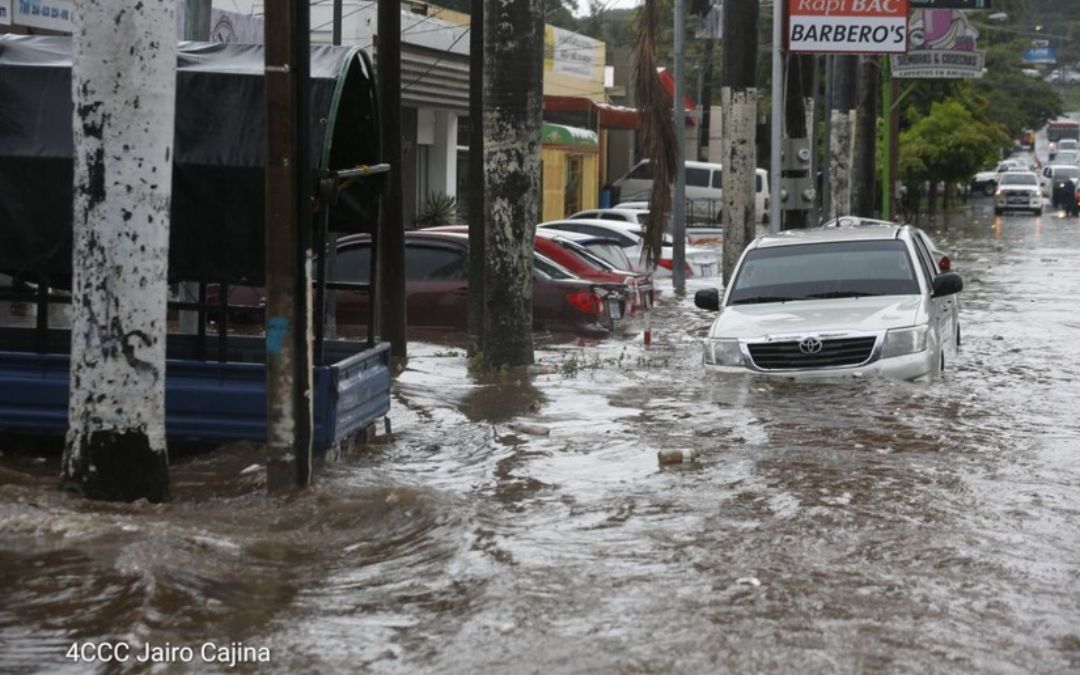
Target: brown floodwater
523 524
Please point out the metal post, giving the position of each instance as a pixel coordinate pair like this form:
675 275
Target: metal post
197 28
777 115
391 253
288 247
886 114
678 258
827 164
336 34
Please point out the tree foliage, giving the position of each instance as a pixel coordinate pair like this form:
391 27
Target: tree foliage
949 144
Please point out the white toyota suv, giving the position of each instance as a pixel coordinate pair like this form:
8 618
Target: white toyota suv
1018 191
835 302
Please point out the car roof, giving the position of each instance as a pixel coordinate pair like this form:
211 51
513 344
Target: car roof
881 232
618 209
1019 173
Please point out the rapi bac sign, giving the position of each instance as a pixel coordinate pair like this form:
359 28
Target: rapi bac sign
848 26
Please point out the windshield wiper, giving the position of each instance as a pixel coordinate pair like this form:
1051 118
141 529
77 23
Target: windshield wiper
761 298
839 294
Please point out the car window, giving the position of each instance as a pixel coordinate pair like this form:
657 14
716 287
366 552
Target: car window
1067 172
827 270
433 263
698 177
926 260
613 216
643 171
759 184
553 271
610 252
718 179
584 215
353 264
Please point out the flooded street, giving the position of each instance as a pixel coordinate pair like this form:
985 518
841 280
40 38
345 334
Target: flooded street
524 525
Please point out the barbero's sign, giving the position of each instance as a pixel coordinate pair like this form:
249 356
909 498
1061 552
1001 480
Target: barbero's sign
848 26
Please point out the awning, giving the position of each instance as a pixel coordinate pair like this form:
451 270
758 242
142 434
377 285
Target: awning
569 138
218 194
608 116
667 81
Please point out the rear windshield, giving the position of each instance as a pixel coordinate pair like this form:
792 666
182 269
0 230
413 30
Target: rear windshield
830 270
609 251
1067 172
1019 179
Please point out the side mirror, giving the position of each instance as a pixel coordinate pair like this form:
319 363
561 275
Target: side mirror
708 298
948 283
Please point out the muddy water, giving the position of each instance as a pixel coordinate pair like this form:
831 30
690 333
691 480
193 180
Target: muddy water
524 524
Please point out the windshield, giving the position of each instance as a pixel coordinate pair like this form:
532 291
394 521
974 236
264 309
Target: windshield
1019 179
1067 172
848 269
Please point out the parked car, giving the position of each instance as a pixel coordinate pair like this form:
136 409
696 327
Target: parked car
702 234
700 262
1018 191
704 191
1060 182
436 288
987 181
585 256
845 301
941 259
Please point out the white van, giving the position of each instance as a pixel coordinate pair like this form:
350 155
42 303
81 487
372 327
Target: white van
703 189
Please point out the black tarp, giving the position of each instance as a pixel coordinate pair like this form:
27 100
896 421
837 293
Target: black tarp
217 230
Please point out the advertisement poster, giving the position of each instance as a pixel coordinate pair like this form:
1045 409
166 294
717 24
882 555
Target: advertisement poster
943 46
848 26
569 53
58 15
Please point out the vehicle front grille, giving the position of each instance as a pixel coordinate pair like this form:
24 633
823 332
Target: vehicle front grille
1017 193
834 353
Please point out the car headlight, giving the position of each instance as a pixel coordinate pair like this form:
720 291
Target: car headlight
723 353
901 341
998 192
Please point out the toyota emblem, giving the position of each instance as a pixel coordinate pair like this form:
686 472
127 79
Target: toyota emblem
810 345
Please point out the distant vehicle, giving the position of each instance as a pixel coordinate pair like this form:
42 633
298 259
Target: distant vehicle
1068 144
1067 157
704 190
943 261
1060 182
1055 131
699 261
986 181
1026 138
1018 191
835 302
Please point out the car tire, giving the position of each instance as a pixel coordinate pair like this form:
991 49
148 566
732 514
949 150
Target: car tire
958 336
989 189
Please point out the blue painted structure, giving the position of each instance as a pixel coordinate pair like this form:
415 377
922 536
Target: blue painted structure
210 401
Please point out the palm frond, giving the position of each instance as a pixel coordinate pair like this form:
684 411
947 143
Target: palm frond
656 132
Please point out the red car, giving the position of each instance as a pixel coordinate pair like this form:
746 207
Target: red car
590 257
437 287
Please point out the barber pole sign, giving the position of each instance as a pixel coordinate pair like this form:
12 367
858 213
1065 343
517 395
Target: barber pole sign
848 26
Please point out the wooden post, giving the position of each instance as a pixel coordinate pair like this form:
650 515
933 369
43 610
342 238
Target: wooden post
391 240
124 89
288 247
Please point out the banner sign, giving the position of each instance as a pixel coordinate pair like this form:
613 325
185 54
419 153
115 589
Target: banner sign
573 54
1046 55
950 4
848 26
943 46
58 15
5 12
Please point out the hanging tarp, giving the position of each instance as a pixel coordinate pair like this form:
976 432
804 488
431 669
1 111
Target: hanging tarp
220 145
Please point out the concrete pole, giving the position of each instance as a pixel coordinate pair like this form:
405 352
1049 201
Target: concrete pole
826 142
391 241
678 230
842 144
115 447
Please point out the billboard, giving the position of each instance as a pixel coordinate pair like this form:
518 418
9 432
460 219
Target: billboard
848 26
943 46
1047 55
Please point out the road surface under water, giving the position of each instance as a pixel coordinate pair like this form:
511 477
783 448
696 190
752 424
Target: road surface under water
524 525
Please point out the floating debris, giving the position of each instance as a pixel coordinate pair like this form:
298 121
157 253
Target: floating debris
679 456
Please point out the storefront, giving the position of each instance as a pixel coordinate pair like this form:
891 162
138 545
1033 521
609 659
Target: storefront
569 170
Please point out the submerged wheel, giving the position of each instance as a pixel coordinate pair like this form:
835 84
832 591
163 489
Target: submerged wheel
1037 212
989 189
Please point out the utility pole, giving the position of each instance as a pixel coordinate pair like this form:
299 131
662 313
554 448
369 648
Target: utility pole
115 447
513 106
329 254
477 215
799 82
391 239
197 29
678 230
865 164
887 118
739 144
289 418
841 146
777 131
826 142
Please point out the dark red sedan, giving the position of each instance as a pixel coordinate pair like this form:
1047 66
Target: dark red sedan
437 287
